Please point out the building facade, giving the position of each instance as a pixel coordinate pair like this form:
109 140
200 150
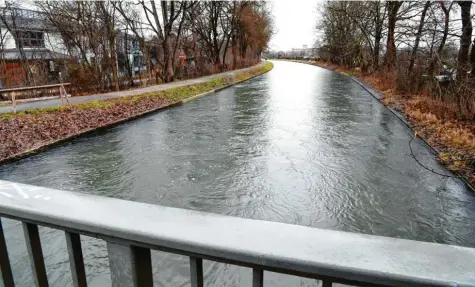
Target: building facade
30 52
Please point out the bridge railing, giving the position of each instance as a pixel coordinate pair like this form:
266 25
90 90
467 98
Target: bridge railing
133 229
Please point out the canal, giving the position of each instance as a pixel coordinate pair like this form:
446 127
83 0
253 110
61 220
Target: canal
299 145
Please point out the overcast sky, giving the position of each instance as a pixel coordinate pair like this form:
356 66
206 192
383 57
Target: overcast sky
294 23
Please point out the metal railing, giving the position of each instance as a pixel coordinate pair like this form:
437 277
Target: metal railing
33 91
133 229
15 95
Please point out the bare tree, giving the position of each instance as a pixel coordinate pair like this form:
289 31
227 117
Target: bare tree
393 8
418 37
162 20
211 30
108 15
446 12
465 39
164 31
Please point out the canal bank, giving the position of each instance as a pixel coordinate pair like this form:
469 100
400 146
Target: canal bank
31 131
452 141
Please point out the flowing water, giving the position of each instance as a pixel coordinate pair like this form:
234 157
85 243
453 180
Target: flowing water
299 145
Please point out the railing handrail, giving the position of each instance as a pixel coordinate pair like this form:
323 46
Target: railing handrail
9 90
284 248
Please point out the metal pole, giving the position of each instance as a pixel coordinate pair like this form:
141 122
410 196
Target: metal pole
33 245
76 261
5 266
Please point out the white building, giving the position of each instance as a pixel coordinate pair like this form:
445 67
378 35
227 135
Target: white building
303 52
27 43
26 37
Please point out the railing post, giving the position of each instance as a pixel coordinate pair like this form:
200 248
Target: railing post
326 283
130 265
13 102
5 266
33 245
257 277
142 264
196 272
76 261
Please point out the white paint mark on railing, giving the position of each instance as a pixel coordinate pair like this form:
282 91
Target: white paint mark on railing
40 196
5 194
5 185
20 191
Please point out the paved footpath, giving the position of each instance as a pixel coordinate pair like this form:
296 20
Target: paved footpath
112 95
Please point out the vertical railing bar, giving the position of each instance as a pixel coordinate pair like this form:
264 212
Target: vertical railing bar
257 277
76 261
130 265
33 245
5 266
142 267
196 272
326 283
120 265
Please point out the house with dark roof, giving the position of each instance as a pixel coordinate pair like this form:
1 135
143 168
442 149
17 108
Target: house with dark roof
30 51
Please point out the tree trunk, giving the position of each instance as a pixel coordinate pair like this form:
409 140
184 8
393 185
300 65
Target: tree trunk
446 28
463 63
444 36
194 34
418 38
234 52
377 39
217 60
472 60
128 65
111 37
393 8
168 59
113 60
225 51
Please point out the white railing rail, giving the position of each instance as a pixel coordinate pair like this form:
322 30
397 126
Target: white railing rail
133 229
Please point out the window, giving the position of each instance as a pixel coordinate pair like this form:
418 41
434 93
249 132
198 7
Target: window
30 39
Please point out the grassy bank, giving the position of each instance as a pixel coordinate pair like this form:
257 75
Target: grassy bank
29 131
434 121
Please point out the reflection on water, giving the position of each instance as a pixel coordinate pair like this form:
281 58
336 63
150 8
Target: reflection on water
298 145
